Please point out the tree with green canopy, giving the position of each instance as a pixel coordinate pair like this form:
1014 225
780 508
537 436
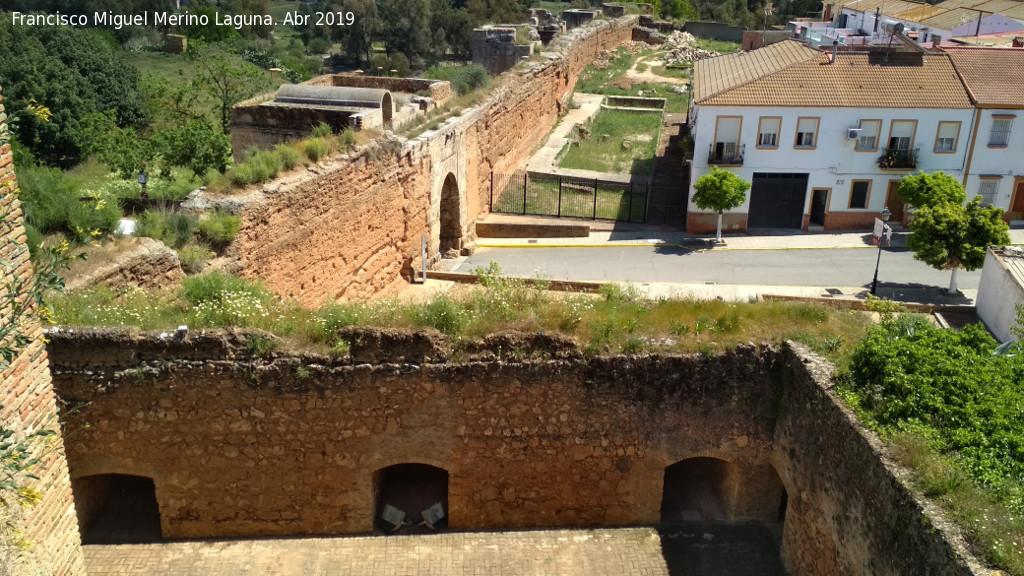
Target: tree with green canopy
720 190
920 190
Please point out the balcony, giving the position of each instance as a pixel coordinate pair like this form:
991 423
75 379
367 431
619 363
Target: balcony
898 159
725 154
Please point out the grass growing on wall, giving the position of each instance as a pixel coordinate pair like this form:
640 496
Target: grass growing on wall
605 149
615 321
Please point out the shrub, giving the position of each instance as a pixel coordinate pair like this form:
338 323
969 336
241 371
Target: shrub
34 239
174 229
194 257
93 217
265 165
322 130
463 78
215 286
317 148
48 198
288 156
242 175
220 228
441 313
347 139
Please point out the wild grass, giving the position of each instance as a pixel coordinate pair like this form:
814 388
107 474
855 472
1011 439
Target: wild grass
543 197
720 46
616 321
604 149
995 531
593 79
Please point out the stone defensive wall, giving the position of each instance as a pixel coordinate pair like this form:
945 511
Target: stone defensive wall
353 227
28 404
299 444
438 91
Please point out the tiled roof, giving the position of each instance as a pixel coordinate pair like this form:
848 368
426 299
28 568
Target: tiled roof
857 79
715 75
995 76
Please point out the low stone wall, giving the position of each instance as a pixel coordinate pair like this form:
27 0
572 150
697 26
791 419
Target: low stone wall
527 230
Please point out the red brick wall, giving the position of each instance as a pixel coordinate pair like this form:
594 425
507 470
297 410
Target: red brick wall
850 220
29 404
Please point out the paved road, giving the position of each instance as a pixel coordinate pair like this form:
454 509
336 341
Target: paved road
826 268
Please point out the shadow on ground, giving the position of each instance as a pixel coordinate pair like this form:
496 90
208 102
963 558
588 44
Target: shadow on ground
921 293
720 549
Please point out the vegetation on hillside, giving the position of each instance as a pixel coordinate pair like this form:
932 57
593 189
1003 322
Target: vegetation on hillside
951 405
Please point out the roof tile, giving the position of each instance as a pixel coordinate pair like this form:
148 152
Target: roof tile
995 76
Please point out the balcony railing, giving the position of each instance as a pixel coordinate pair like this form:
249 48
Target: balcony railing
897 158
725 154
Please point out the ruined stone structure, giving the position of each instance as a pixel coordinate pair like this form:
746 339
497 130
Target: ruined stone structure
237 446
495 48
353 227
338 100
28 405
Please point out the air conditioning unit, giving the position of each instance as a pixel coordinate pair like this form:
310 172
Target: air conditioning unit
853 133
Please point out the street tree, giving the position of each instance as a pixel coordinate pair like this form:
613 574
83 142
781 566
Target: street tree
720 190
921 190
950 236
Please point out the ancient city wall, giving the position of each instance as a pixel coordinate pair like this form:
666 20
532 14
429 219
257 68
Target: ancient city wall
241 446
28 404
354 228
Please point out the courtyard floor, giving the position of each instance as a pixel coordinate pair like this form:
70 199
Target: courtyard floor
691 550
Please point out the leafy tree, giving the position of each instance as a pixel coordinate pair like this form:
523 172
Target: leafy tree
227 79
498 11
948 236
121 150
358 38
72 72
920 190
405 27
197 146
720 190
684 10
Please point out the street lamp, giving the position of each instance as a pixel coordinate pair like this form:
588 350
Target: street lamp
142 178
884 217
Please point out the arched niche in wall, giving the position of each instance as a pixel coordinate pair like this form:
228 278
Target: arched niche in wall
451 215
116 509
698 490
410 498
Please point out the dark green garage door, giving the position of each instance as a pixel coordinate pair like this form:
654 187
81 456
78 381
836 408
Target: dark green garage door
777 200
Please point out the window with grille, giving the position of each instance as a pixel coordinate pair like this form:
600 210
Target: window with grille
768 132
859 193
988 190
806 132
868 140
945 139
1000 135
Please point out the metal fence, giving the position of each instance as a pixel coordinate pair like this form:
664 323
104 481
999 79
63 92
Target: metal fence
566 196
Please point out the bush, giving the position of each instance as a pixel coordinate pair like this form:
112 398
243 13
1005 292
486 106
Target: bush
441 313
260 166
93 217
317 148
288 156
194 257
48 198
318 46
34 239
322 130
174 229
463 78
220 228
347 139
215 287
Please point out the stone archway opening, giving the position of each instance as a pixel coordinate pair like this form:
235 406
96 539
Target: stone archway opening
451 215
697 490
410 498
387 108
116 509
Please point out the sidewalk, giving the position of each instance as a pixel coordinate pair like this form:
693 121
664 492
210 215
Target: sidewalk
610 234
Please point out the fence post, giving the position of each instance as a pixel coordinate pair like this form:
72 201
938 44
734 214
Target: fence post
559 196
595 200
525 176
491 208
629 213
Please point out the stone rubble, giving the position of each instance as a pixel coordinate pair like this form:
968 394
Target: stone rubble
683 48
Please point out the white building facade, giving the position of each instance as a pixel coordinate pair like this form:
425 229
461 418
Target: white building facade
824 143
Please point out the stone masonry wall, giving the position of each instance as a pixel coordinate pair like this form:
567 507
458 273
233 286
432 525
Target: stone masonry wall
850 512
238 446
28 404
352 228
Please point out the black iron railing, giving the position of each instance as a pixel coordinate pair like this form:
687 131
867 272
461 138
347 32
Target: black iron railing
898 158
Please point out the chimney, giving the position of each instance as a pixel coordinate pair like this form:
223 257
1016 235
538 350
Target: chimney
827 17
1018 42
936 40
835 49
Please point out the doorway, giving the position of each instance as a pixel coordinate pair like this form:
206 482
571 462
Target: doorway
894 202
696 490
1016 211
117 509
777 200
410 498
819 205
